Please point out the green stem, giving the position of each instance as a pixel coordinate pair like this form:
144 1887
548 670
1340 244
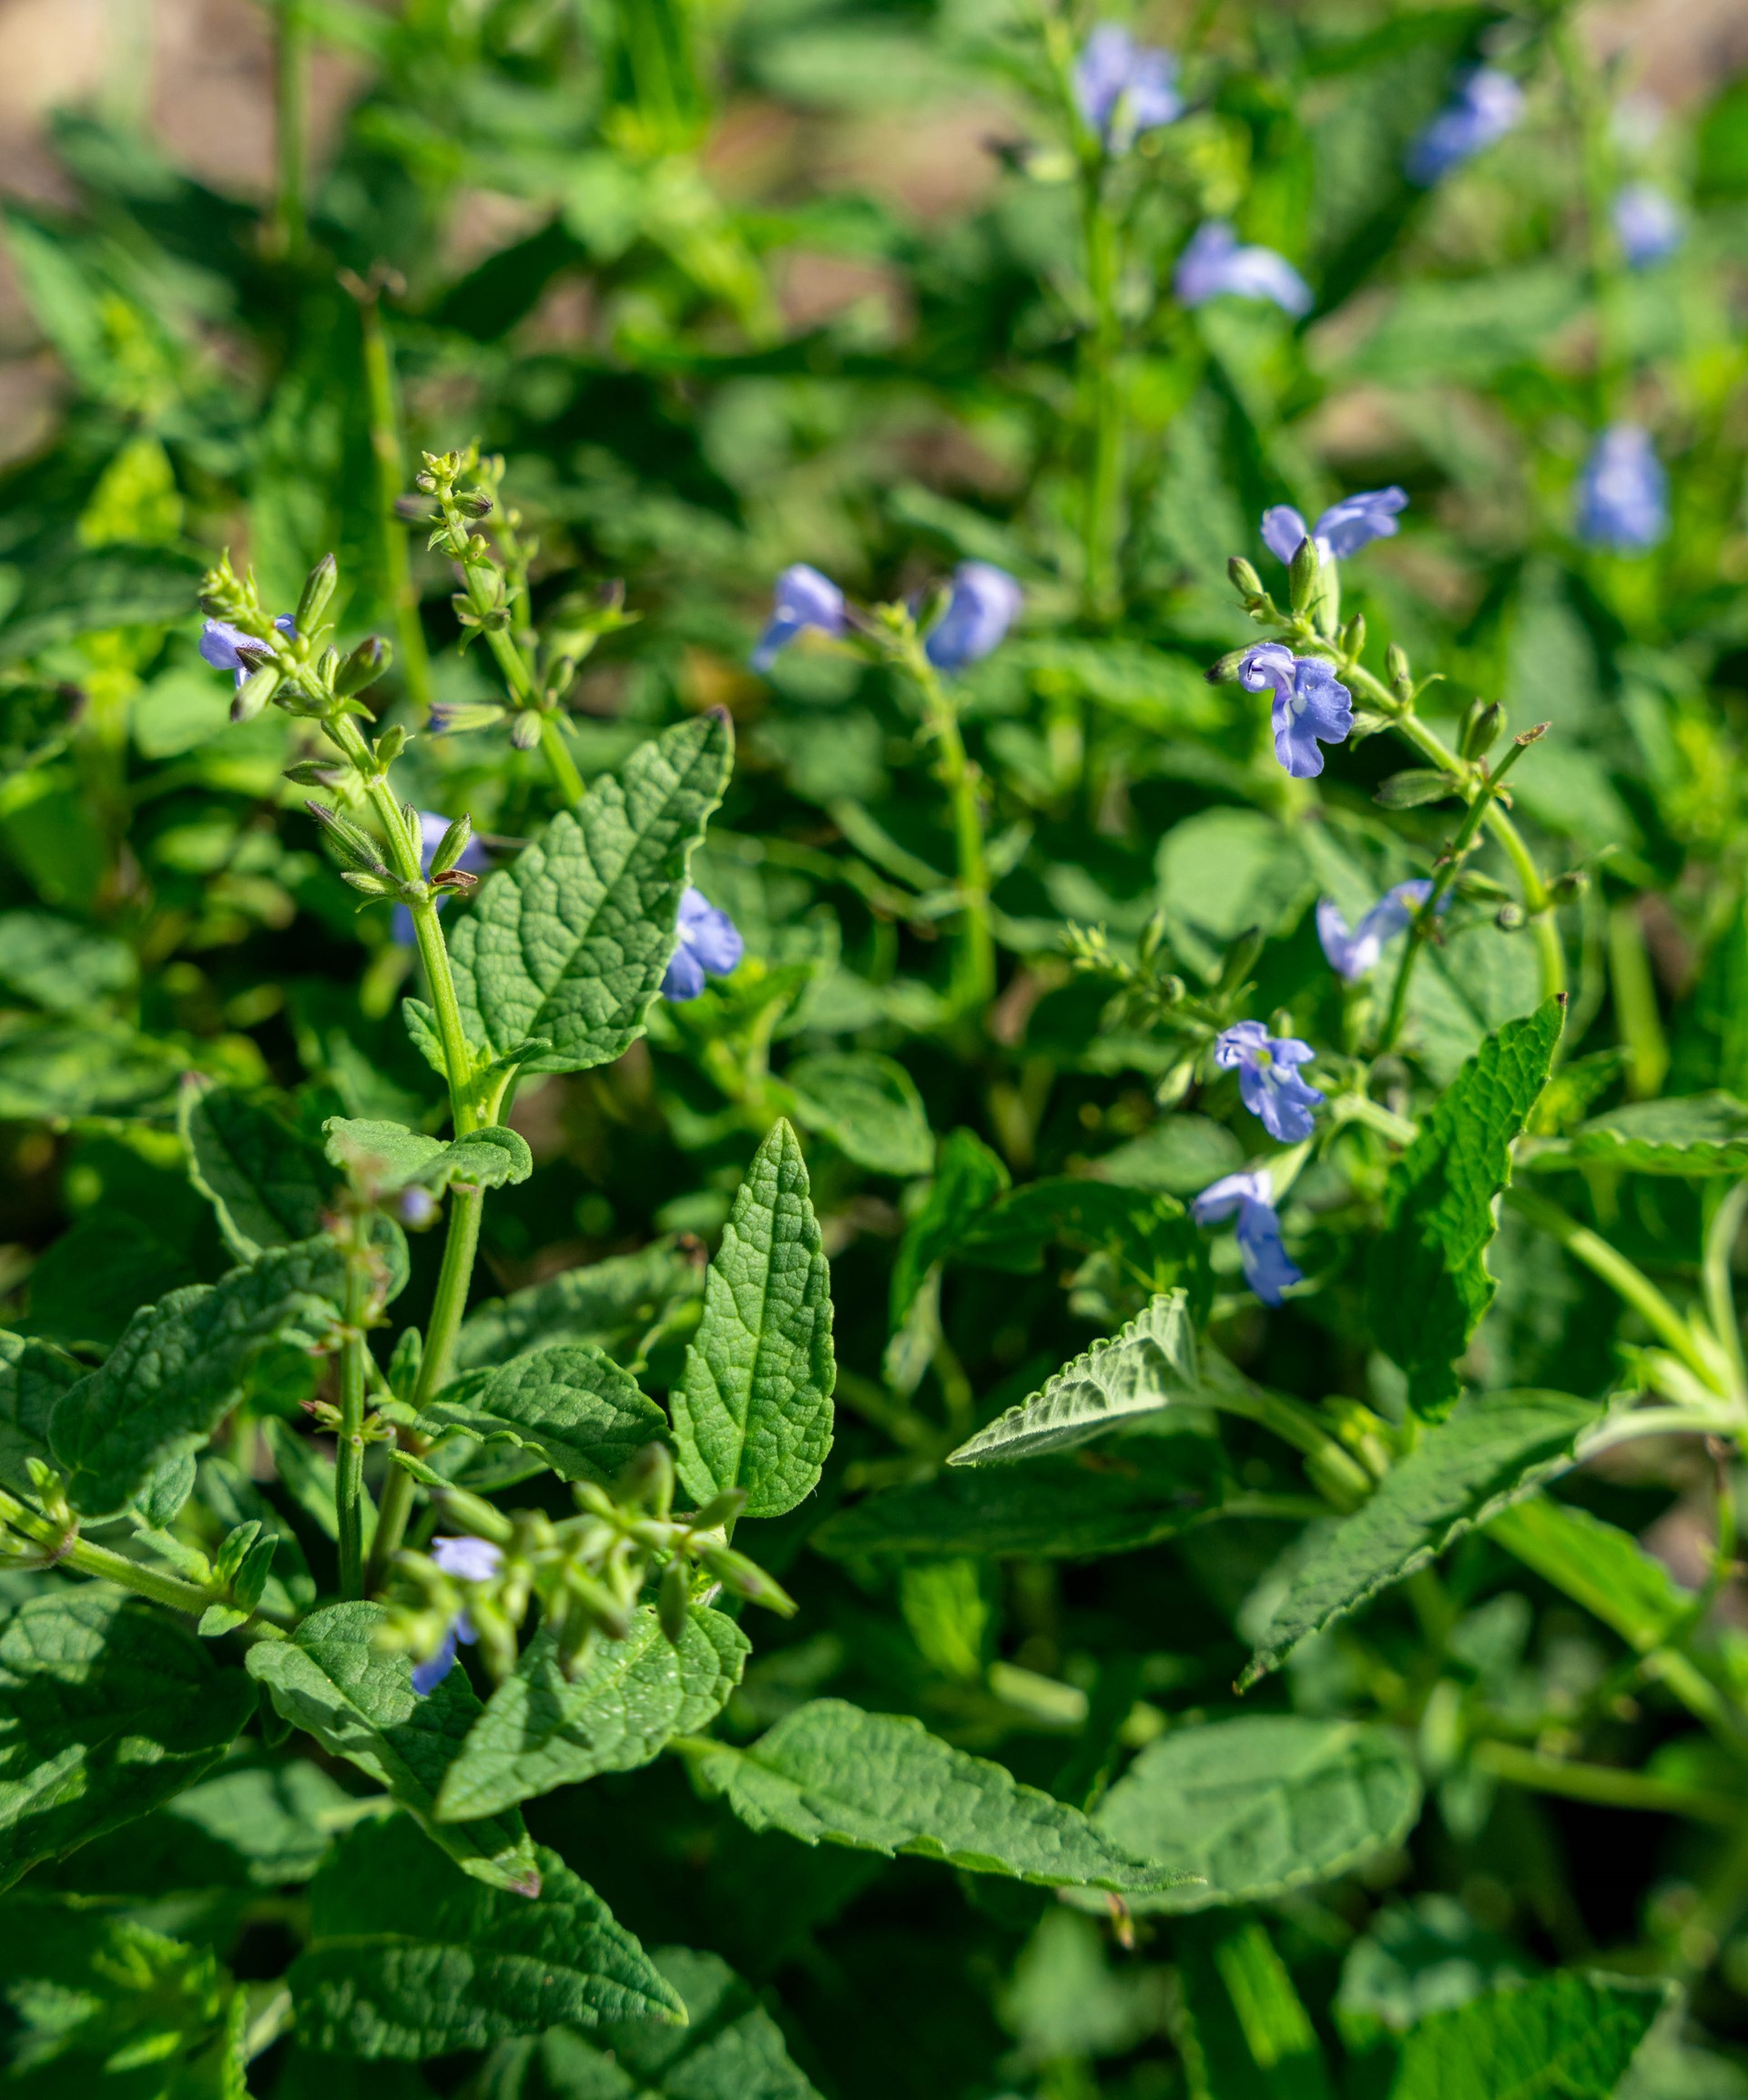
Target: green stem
1101 355
290 113
1605 1784
1639 1024
1720 1291
565 776
974 964
391 481
348 1458
1338 1476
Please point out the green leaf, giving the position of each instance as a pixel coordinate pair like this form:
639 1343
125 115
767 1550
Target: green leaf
120 587
1260 1805
108 1707
571 1406
540 1730
1180 1156
183 1363
60 965
1244 2032
409 1959
88 1281
868 1106
729 2049
1138 1371
571 942
380 1158
1494 1450
882 1783
1428 1284
1222 872
58 1071
265 1178
612 1304
1597 1566
1013 1232
33 1377
1564 2037
1696 1133
753 1408
331 1680
968 1179
1144 1492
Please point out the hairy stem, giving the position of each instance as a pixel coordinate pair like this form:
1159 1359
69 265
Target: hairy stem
1100 356
565 776
391 481
975 964
348 1458
290 115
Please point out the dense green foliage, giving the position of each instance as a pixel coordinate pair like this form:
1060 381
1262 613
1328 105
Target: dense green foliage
941 1613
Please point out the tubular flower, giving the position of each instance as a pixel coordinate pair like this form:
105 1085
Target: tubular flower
1647 224
1623 492
1123 87
804 599
1268 1080
471 1560
1311 704
1342 529
431 827
983 606
710 945
1353 951
1487 104
1268 1270
222 645
1213 262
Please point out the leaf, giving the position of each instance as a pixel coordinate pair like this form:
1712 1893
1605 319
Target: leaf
58 1071
85 1288
60 965
1408 790
409 1959
882 1783
1467 328
120 586
869 1109
1695 1134
1140 1370
265 1178
1180 1156
1242 2030
1564 2037
182 1364
380 1158
1494 1449
1222 872
332 1680
571 940
540 1730
1260 1805
33 1377
1428 1284
753 1408
1146 1491
1597 1566
729 2049
611 1304
1013 1232
968 1178
108 1707
571 1406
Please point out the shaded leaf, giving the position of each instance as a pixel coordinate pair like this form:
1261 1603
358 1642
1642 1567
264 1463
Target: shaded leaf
33 1377
612 1304
265 1178
869 1109
56 1071
60 965
571 1406
968 1176
1564 2037
1696 1133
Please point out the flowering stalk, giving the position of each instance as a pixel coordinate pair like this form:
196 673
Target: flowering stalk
290 123
348 1456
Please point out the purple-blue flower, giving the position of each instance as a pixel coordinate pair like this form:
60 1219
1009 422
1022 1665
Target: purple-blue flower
1269 1081
1342 529
222 645
804 599
473 861
1353 951
1485 106
1251 1194
710 945
1311 704
981 609
471 1560
1623 492
1123 87
1213 262
1646 223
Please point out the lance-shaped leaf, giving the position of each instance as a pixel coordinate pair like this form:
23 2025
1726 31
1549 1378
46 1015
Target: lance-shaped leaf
1147 1366
868 1106
183 1363
380 1158
331 1680
882 1783
33 1377
1597 1566
729 2049
1260 1805
1492 1451
571 1406
571 940
408 1959
611 1303
108 1707
265 1178
1695 1134
1147 1489
1565 2037
1428 1284
753 1409
541 1730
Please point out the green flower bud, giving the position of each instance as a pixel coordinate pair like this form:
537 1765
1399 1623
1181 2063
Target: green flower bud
366 664
318 589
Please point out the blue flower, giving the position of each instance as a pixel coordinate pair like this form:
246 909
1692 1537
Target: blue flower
1646 223
1486 106
1213 262
1268 1269
1342 529
472 1560
1352 952
710 944
1123 87
981 609
1269 1081
431 827
1311 704
222 645
804 599
1623 492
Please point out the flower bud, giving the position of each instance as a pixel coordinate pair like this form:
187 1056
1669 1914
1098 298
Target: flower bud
1396 662
1302 575
1481 727
318 589
476 504
1225 671
672 1600
366 664
524 730
721 1509
255 691
747 1579
412 510
648 1480
451 845
346 841
454 718
373 882
1509 918
1245 579
389 745
317 774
